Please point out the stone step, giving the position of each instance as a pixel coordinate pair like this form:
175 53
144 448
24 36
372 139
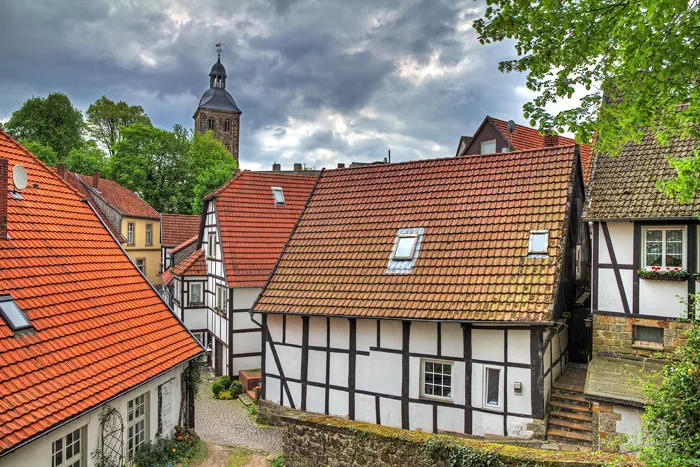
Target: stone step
569 396
582 417
559 423
572 388
568 406
569 435
251 394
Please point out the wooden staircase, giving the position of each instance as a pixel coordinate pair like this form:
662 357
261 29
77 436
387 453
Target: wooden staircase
570 415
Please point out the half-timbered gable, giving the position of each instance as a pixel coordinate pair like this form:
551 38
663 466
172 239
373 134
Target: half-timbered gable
429 295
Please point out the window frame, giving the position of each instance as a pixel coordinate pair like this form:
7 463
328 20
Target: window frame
201 293
495 146
133 423
646 343
485 389
664 229
149 234
219 307
423 394
275 190
397 241
211 245
530 251
12 325
82 444
141 268
131 233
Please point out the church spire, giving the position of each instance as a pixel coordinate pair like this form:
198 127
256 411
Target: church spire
217 76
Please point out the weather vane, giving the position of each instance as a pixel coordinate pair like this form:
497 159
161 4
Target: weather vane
218 47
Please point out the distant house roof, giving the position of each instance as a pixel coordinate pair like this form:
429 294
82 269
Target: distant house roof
193 265
476 214
463 144
253 228
99 327
185 244
624 186
177 228
167 277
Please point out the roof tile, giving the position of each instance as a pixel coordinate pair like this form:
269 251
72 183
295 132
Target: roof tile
178 228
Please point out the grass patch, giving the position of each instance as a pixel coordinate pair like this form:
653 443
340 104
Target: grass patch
201 454
239 457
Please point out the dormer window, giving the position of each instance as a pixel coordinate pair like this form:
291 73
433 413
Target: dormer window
13 316
539 241
488 147
278 195
405 247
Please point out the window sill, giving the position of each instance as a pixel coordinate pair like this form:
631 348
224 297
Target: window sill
642 345
196 304
437 398
664 277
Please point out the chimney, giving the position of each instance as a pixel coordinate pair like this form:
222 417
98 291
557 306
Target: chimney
61 169
551 140
298 167
341 165
276 167
96 179
3 199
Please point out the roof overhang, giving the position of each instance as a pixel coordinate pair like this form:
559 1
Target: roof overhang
639 219
617 379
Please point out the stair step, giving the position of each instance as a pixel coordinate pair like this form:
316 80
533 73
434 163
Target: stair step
571 415
567 406
574 388
251 394
570 435
570 425
569 396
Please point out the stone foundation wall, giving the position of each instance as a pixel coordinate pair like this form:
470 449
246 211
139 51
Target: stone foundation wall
615 335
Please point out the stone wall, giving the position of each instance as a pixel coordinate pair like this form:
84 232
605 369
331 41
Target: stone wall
228 138
615 335
317 440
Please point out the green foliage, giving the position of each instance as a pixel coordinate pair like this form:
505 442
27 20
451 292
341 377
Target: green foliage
236 388
166 452
252 410
221 384
86 158
51 121
671 425
278 461
440 449
225 395
639 59
43 152
105 119
214 167
193 376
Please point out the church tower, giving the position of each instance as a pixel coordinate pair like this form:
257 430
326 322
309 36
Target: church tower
217 111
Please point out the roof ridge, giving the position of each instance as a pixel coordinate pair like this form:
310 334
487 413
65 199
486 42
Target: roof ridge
218 191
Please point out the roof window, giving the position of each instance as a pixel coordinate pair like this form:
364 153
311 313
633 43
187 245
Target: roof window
539 240
278 194
12 315
405 247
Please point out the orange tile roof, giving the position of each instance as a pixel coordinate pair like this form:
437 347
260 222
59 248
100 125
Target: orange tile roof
167 277
121 198
185 244
100 327
477 212
177 228
193 265
253 228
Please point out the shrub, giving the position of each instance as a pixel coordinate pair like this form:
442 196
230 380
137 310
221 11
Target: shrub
221 384
277 461
236 388
225 395
252 410
225 381
165 452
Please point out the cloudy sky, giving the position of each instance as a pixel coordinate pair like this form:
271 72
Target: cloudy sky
319 82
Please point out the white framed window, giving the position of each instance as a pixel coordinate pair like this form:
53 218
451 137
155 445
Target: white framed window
69 451
141 264
195 292
211 245
221 298
137 417
493 384
149 234
436 379
130 233
405 247
176 290
488 147
539 241
278 194
13 315
664 247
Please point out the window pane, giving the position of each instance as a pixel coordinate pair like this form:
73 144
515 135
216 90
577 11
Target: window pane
14 315
674 235
488 147
643 333
492 389
653 248
538 242
404 248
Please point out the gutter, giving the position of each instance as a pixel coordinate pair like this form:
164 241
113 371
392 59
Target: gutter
638 219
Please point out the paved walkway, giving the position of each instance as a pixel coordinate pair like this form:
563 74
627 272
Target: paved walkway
228 423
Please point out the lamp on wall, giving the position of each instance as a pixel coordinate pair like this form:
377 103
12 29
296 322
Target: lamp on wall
588 321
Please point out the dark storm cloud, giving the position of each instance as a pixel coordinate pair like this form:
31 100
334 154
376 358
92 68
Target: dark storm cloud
318 81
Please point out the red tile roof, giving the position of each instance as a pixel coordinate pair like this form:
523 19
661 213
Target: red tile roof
253 228
122 199
185 244
100 328
167 277
177 228
477 212
193 265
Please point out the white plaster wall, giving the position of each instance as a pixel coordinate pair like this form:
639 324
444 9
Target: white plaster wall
338 403
317 331
365 408
452 340
339 369
517 427
381 373
423 338
274 324
487 424
520 404
290 359
392 334
315 399
519 346
38 453
487 344
272 389
340 333
196 319
390 412
317 366
609 294
663 298
366 334
451 419
246 342
420 417
295 390
295 330
622 239
244 297
631 421
241 320
270 366
244 363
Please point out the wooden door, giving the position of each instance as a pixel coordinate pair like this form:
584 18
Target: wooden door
580 335
218 358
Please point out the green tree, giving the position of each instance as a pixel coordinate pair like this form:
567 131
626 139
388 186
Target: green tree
51 121
44 153
105 118
639 63
213 164
86 158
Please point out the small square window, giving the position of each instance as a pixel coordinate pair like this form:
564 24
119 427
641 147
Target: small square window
437 379
644 335
14 317
539 240
141 264
488 147
278 194
405 247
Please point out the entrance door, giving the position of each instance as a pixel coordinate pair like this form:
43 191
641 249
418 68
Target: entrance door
580 335
218 358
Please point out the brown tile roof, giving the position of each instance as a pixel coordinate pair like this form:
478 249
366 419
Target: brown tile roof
624 186
253 228
100 328
185 244
120 198
177 228
477 212
167 277
193 265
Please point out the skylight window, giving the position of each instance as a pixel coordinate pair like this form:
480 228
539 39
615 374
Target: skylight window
11 313
405 248
278 194
539 240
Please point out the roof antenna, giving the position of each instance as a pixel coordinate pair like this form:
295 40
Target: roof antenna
511 126
389 156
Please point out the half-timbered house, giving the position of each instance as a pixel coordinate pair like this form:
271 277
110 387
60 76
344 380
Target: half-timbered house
430 294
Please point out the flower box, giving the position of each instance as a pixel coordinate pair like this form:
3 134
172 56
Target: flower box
668 274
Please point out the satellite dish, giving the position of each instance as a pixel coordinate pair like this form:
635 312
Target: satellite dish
511 126
19 177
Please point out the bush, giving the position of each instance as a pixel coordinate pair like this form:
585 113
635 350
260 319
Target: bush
165 452
225 395
252 410
225 381
221 384
277 461
236 388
